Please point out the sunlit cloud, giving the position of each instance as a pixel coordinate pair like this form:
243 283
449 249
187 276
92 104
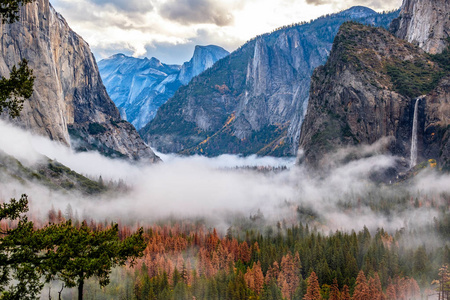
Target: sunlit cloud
139 28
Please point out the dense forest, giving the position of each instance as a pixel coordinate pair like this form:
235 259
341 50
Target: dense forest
189 260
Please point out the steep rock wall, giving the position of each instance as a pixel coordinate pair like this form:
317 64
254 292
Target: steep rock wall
68 89
366 92
425 23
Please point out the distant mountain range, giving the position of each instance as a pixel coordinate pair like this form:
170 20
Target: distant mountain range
254 100
140 86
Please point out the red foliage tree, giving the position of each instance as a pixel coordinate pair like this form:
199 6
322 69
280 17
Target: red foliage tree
272 272
375 290
244 252
345 293
335 294
313 288
361 291
289 272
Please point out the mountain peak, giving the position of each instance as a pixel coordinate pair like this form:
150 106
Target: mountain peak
358 12
212 49
117 56
204 57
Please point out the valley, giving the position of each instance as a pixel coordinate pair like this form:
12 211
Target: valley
311 162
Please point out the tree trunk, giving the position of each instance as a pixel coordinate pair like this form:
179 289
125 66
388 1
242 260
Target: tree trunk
80 290
59 293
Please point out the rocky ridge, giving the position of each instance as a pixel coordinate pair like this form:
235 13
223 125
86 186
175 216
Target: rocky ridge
254 100
68 91
367 91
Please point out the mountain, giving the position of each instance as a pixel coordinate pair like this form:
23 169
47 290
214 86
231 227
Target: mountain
424 23
370 88
254 100
204 57
47 173
69 96
140 86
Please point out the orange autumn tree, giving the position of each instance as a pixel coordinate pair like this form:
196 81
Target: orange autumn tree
361 291
254 278
313 288
391 293
272 273
375 290
443 282
288 278
345 294
334 291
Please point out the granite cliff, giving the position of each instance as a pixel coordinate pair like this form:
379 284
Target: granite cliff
367 91
254 100
68 94
204 57
424 23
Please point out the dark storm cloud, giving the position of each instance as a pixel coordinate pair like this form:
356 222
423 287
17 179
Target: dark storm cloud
197 12
127 5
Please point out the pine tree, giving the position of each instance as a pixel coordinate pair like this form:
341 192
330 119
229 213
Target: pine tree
258 278
334 291
272 273
68 213
15 90
19 87
361 291
75 254
19 254
313 288
375 290
443 282
289 273
345 294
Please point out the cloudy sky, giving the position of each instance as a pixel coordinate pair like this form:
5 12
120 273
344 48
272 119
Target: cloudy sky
169 29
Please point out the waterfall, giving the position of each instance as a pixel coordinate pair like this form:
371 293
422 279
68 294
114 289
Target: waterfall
413 160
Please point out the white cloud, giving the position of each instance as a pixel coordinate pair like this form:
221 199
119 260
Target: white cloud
211 189
139 27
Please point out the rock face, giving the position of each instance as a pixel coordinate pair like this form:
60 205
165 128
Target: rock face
253 101
204 57
425 23
140 86
367 91
436 124
68 90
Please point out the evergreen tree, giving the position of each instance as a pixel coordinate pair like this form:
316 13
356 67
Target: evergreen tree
16 89
345 294
443 282
271 292
75 254
19 86
313 288
375 290
19 254
334 291
361 291
9 10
